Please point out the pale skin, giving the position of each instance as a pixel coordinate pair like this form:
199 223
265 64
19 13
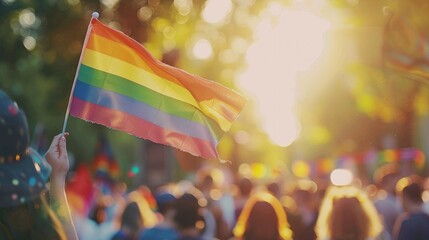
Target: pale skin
58 159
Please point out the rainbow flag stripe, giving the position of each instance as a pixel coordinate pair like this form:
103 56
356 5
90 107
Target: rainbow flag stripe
121 85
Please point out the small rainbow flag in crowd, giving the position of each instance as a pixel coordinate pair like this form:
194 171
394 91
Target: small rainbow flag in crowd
119 84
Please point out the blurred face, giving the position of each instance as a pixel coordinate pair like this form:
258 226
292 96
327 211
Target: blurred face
101 215
390 185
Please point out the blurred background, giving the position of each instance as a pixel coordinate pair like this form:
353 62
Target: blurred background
330 83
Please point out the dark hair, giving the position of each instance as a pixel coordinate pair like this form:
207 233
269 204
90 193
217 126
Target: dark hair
30 220
274 188
187 211
348 220
245 185
262 223
132 217
98 212
413 192
165 202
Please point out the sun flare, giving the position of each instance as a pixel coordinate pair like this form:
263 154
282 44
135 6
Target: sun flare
286 42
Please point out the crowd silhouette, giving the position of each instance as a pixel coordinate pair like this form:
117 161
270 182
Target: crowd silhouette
390 207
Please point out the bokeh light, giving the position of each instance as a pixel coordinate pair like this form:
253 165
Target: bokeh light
73 2
109 3
301 169
341 177
184 7
245 170
133 171
202 49
242 137
29 43
8 2
27 18
258 170
144 13
215 11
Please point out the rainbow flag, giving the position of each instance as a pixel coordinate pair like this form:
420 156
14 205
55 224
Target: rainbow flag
119 84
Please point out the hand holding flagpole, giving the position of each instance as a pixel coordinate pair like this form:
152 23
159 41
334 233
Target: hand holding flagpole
94 15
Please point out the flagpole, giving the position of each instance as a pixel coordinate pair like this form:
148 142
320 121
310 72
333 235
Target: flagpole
94 15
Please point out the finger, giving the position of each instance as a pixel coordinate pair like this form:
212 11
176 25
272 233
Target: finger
54 142
62 144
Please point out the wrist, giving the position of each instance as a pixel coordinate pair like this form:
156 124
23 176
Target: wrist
57 180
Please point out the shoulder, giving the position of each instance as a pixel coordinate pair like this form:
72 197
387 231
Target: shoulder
156 232
191 238
418 222
416 217
119 235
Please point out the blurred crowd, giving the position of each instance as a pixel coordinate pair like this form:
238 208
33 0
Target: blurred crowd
217 204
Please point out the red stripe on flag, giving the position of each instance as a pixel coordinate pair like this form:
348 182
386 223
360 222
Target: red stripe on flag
141 128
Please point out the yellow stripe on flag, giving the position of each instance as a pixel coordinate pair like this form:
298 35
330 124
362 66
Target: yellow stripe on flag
138 75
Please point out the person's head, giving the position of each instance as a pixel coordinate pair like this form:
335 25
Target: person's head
386 176
245 186
356 223
304 195
263 217
347 213
131 218
165 202
188 211
410 190
413 193
23 176
274 188
98 213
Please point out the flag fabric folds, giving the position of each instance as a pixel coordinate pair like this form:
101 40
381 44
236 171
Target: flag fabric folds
119 84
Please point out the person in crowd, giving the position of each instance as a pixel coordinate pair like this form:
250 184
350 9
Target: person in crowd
104 228
165 229
131 223
207 226
262 218
189 218
347 213
386 201
413 223
245 187
24 209
303 219
99 213
208 184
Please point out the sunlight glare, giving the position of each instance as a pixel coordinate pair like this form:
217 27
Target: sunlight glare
286 42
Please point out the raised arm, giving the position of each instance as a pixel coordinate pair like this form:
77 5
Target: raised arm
58 159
